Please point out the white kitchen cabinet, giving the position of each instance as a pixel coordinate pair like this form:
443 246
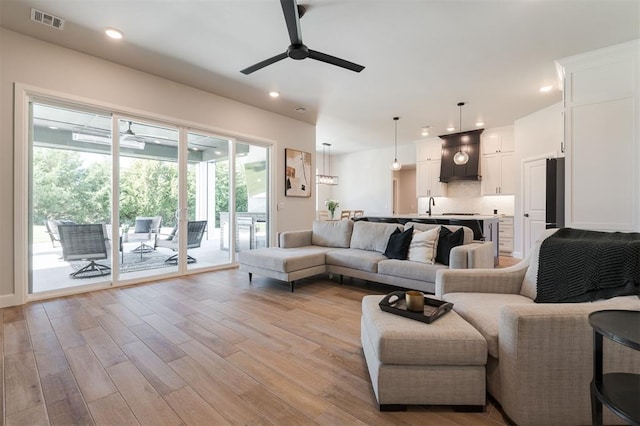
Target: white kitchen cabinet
428 179
498 174
601 97
506 234
497 142
429 150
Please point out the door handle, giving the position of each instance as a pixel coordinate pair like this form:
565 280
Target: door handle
526 215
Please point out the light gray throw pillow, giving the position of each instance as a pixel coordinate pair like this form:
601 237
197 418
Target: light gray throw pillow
332 233
372 236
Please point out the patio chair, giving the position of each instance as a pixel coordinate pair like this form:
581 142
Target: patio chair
146 231
345 214
195 232
51 226
86 243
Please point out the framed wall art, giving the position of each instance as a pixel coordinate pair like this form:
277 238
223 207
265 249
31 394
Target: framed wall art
297 173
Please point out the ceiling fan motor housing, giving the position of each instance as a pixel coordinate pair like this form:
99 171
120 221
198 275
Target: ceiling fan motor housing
298 51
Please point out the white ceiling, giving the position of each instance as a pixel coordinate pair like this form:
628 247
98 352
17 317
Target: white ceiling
421 57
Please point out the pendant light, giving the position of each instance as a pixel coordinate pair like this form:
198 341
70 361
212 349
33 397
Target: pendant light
396 164
326 179
461 157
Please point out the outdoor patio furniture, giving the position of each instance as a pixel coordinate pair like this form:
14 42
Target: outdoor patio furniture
85 243
195 232
52 228
146 231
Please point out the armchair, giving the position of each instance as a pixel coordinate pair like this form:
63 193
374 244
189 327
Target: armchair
540 354
85 242
146 230
195 232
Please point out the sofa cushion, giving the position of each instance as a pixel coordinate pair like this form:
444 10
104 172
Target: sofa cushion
372 236
284 260
423 246
446 241
363 260
410 270
333 233
482 310
398 244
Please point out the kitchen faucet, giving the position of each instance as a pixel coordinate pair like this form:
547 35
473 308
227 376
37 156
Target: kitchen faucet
431 200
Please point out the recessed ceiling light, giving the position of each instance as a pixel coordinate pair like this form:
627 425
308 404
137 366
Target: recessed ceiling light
450 129
545 89
218 153
274 94
480 124
301 110
156 141
113 33
53 127
425 131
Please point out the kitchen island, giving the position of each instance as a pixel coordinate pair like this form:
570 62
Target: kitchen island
484 227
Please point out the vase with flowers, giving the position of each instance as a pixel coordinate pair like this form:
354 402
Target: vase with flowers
332 205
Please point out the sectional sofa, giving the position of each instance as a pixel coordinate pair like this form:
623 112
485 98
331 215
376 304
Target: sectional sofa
356 249
540 355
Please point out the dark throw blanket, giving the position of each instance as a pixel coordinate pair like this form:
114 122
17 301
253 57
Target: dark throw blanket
582 266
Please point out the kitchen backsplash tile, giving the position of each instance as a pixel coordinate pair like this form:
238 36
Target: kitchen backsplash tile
466 197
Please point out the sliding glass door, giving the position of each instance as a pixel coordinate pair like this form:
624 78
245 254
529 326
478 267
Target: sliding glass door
88 166
70 190
148 199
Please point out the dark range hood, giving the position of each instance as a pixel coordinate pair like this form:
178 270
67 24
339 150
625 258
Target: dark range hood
468 142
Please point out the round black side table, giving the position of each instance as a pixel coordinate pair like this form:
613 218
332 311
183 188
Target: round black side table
620 392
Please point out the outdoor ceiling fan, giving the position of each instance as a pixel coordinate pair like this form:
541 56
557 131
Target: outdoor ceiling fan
297 50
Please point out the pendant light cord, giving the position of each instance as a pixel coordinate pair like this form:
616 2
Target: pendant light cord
396 141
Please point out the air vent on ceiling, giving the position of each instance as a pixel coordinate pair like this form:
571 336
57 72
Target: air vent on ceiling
47 19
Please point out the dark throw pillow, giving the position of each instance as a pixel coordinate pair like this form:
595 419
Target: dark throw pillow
446 242
143 226
398 244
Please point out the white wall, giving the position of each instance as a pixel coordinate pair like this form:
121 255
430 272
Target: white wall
535 134
366 179
37 63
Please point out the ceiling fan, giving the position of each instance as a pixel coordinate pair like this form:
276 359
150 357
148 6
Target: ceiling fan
297 50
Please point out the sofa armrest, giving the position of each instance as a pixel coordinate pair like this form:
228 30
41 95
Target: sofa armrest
474 255
293 239
546 360
507 280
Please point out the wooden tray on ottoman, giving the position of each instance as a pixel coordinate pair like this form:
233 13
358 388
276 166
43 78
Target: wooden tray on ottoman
433 308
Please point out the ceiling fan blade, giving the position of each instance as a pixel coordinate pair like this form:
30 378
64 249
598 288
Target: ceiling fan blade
319 56
290 10
264 63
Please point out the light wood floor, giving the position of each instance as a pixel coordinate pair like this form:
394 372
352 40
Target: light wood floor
208 349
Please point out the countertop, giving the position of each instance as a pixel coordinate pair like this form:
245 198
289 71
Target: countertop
449 216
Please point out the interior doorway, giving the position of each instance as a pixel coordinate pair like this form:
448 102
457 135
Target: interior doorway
404 190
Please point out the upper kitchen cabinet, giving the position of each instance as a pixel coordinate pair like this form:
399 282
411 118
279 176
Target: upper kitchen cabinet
498 140
601 99
498 162
428 179
498 174
429 150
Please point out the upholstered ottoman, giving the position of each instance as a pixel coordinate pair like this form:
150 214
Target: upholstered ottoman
410 362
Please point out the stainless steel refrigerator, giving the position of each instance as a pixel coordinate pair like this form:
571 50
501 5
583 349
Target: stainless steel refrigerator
555 193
